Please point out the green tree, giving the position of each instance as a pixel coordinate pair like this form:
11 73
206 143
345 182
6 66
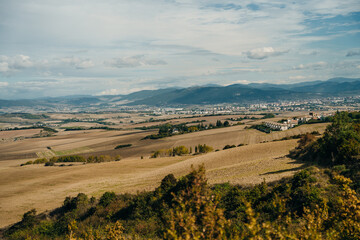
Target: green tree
107 198
341 141
219 123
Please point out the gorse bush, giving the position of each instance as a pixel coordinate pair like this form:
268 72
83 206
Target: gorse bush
195 213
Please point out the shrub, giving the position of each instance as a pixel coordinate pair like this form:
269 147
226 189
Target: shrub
195 213
27 163
168 182
123 146
47 164
176 151
162 153
40 161
228 146
268 115
180 150
204 148
305 140
313 204
73 158
29 219
50 129
107 198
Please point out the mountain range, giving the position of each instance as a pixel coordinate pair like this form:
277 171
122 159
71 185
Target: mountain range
209 94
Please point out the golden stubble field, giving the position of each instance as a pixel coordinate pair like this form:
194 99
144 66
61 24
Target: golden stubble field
44 188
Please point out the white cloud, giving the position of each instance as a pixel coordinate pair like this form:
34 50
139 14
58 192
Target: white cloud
352 53
313 66
238 82
262 53
4 67
134 61
110 92
21 61
4 84
15 63
201 41
297 77
77 63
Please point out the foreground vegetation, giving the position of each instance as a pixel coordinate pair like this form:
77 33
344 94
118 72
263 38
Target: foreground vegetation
316 203
339 147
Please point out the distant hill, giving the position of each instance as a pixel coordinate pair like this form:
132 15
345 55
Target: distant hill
208 94
239 93
331 87
312 86
213 95
148 93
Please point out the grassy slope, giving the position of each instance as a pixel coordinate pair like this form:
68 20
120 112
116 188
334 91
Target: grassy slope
45 187
22 188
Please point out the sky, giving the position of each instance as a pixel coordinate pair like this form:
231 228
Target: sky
54 48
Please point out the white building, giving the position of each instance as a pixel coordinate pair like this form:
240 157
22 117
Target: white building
277 126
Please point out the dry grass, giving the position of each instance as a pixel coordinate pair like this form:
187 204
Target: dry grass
36 186
103 142
43 188
19 133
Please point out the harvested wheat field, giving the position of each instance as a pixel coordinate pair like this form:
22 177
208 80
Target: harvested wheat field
102 142
18 133
44 188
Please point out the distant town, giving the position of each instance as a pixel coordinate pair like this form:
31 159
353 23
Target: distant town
351 103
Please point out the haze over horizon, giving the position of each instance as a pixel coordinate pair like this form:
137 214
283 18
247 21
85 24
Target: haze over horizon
57 48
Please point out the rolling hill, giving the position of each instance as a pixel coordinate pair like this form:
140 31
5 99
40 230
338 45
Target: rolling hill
208 94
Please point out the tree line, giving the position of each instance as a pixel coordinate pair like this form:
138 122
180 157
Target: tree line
72 159
167 130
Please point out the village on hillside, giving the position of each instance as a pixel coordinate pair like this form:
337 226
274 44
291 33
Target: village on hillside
290 123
